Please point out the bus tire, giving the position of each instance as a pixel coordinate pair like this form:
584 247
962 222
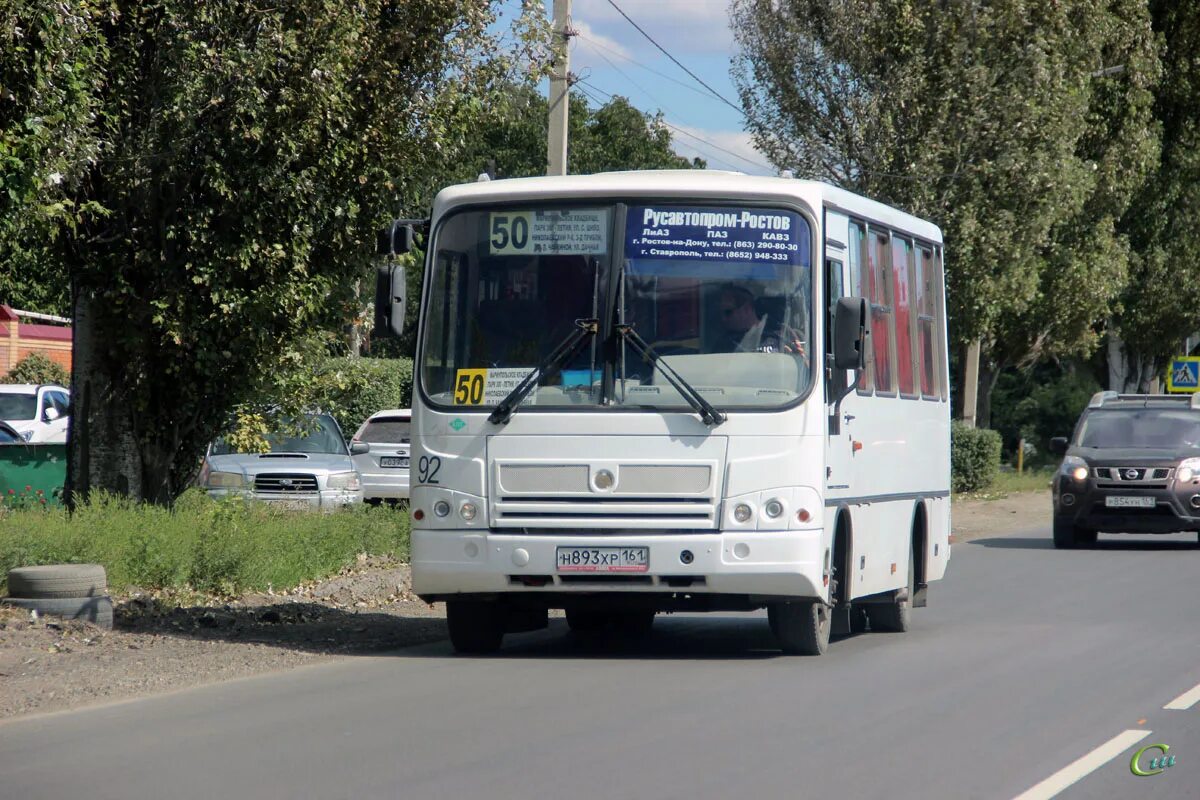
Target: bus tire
1066 535
896 616
802 627
475 627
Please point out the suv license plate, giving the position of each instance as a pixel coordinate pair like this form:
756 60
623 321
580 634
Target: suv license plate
289 505
1129 502
393 461
603 559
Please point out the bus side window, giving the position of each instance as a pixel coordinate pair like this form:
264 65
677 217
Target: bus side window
855 257
902 295
925 295
882 316
833 291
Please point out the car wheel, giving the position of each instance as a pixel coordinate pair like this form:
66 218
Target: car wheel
896 616
1066 535
801 628
475 627
96 610
58 580
1086 537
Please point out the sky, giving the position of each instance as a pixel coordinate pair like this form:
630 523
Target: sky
610 57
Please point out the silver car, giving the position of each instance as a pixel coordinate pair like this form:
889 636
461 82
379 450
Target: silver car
384 468
309 471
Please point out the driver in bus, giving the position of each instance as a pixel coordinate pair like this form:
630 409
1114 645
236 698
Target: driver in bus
748 331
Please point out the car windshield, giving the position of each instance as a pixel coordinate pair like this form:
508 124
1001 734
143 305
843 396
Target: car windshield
388 430
18 406
316 434
1149 428
722 293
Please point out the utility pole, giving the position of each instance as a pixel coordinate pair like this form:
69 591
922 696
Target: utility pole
556 150
970 387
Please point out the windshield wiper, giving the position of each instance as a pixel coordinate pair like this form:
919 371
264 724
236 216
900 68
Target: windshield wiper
548 368
708 414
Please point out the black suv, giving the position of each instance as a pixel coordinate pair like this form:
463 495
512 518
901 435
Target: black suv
1132 466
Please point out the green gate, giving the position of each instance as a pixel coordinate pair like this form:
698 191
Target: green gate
31 473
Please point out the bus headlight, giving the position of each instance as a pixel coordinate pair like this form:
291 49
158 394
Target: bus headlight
343 480
742 512
773 509
467 511
225 480
441 508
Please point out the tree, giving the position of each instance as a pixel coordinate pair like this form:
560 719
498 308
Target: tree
247 154
974 115
49 54
1161 304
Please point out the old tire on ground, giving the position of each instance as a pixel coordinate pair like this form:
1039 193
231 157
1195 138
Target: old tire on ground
1066 535
96 610
58 580
475 627
801 627
896 616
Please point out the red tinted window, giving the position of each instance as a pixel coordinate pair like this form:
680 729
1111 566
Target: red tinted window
854 261
901 251
924 296
881 312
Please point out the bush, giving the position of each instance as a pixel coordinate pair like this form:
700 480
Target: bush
224 547
37 368
1038 404
974 457
352 389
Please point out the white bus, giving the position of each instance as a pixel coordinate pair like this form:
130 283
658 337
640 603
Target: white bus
648 392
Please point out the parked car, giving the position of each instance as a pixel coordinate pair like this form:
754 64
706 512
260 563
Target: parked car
1131 466
384 468
307 467
37 411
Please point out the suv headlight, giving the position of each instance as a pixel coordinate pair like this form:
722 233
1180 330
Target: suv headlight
225 480
343 480
1074 467
1187 469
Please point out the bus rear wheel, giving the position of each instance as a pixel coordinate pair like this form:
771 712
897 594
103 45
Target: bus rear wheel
802 627
475 627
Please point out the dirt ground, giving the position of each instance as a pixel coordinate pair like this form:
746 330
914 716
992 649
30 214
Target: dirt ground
161 643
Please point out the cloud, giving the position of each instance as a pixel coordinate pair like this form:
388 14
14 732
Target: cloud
721 149
681 26
589 38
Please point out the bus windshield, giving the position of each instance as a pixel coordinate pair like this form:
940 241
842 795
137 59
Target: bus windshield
722 294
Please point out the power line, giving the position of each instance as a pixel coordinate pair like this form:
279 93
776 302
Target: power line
593 43
695 77
631 80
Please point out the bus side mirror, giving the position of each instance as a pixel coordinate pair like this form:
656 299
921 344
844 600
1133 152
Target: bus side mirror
1058 445
851 327
391 298
396 239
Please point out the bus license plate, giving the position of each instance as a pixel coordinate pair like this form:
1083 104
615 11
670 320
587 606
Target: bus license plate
603 559
393 461
1129 502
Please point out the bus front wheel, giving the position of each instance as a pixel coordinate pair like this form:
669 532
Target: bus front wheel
475 627
802 627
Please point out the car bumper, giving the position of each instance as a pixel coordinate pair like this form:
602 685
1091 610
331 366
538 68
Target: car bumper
385 485
1085 505
777 564
325 500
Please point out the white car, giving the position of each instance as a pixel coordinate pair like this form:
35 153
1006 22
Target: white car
384 468
38 412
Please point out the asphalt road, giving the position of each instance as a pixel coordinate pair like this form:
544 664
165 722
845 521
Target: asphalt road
1027 660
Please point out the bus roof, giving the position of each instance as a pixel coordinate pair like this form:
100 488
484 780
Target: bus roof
684 184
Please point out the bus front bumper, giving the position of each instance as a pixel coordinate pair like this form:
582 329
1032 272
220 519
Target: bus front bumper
791 563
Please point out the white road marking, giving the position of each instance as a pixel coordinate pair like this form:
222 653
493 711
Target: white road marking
1185 700
1084 766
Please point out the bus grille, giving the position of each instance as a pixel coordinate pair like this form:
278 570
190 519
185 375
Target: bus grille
584 513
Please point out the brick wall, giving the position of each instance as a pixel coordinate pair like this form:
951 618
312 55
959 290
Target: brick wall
19 339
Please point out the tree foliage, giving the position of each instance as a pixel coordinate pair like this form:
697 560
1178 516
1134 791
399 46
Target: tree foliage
37 368
986 117
245 155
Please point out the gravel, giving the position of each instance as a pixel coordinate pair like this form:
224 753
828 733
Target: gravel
162 642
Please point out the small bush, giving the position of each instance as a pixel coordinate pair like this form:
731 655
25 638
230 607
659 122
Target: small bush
37 368
352 389
974 457
224 547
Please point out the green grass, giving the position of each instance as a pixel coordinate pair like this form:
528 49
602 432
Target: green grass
225 547
1007 483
